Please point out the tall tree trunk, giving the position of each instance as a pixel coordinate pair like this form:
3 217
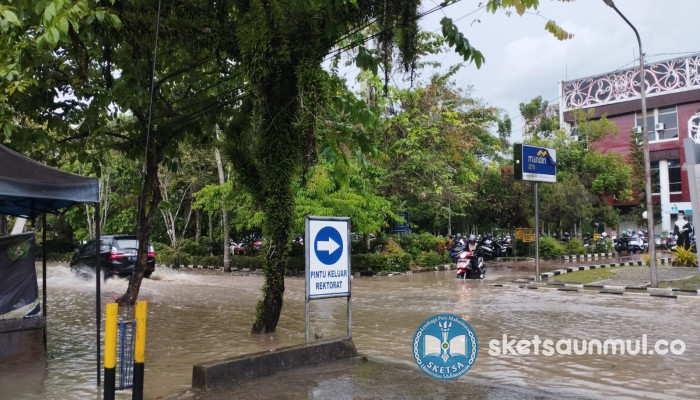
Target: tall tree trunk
148 206
197 225
279 156
224 214
279 213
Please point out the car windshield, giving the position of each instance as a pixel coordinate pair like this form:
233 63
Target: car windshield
127 243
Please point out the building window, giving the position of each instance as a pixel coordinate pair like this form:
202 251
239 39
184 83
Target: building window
674 176
662 124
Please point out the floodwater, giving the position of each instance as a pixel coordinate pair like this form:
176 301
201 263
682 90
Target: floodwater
197 316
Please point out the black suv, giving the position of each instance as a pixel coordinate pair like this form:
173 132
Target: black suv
117 256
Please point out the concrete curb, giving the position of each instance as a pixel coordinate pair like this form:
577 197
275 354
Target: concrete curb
218 374
594 256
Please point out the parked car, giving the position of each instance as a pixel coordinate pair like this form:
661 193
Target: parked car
117 256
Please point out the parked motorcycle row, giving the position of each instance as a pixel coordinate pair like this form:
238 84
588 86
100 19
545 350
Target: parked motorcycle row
631 242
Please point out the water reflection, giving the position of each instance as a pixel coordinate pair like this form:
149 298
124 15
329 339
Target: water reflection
199 316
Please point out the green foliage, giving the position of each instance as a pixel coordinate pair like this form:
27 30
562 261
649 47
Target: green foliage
460 43
417 244
248 262
164 254
430 259
57 256
610 173
603 245
434 148
375 263
551 248
575 246
323 195
193 248
539 119
684 257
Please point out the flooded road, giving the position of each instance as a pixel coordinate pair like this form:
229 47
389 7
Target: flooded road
197 316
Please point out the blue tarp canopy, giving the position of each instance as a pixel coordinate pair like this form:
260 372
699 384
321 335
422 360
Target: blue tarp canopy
29 188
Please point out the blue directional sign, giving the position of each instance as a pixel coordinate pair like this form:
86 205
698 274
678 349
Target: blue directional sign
327 256
328 245
537 164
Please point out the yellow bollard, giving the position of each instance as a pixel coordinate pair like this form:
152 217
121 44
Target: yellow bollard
139 350
110 358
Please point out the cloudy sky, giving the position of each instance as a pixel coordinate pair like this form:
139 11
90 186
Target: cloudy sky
524 61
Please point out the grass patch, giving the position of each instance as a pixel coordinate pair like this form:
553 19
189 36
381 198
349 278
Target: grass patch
692 283
587 276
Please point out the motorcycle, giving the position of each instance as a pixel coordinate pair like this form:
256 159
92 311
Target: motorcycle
629 244
456 248
489 248
669 242
470 266
237 249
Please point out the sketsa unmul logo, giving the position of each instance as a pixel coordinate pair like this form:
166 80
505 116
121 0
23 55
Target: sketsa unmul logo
445 346
18 250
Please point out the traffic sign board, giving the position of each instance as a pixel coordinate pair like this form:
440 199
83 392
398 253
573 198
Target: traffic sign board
328 256
328 245
537 164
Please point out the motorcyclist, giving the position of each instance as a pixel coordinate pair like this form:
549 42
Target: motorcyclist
472 244
473 247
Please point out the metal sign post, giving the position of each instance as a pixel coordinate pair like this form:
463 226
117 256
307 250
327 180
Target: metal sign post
327 254
535 164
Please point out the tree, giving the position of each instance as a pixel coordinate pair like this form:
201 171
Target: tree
90 74
256 65
434 145
539 118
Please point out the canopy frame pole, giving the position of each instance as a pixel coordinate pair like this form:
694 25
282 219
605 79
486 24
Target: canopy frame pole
98 306
43 280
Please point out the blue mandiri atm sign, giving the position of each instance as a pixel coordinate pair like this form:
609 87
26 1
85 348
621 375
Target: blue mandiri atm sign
536 164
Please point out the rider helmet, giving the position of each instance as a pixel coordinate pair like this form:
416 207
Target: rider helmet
472 239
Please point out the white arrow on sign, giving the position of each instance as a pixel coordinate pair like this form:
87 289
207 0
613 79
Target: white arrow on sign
330 246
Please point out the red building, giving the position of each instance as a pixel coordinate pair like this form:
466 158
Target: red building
673 114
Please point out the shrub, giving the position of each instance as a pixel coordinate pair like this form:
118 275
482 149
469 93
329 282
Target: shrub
575 246
550 247
195 249
164 254
216 261
56 256
603 245
417 244
252 262
430 259
391 247
296 265
374 263
684 257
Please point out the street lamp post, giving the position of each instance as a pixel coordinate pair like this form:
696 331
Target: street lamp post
647 168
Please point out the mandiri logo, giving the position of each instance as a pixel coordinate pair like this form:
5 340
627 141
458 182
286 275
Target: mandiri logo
445 346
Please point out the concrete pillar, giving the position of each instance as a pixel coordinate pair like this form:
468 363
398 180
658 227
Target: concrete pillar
665 189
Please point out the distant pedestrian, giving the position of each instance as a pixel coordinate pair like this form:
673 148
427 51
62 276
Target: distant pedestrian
682 230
